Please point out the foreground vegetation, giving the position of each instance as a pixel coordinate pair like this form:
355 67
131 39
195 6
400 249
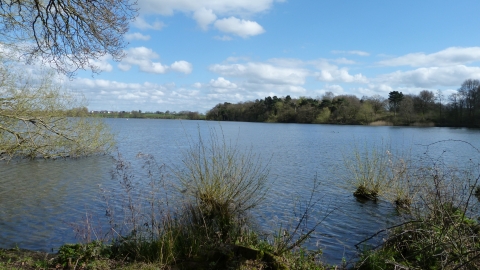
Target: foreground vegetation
203 219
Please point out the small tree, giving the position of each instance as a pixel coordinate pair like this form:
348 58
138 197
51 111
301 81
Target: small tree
424 102
394 99
34 122
377 102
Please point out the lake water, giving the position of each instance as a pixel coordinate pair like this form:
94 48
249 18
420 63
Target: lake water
40 200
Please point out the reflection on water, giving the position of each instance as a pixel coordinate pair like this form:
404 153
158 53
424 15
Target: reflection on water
38 199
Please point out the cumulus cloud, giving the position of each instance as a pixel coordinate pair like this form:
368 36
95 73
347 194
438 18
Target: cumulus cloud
204 17
182 66
142 57
330 72
205 12
106 94
136 36
197 85
102 63
220 82
359 53
242 28
431 76
447 57
340 75
262 72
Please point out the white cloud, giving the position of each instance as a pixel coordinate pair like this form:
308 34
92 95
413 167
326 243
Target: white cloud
220 82
142 24
240 27
182 66
261 72
142 57
205 12
109 94
340 75
197 85
359 53
447 57
124 67
432 76
102 63
136 36
329 72
204 17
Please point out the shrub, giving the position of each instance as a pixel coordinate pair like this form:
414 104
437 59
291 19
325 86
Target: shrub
367 171
222 182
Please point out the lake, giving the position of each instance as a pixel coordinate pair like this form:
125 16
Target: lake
40 200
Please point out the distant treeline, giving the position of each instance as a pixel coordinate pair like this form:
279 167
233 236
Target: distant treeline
184 115
461 108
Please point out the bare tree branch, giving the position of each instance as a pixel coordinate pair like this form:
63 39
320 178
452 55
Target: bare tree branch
66 35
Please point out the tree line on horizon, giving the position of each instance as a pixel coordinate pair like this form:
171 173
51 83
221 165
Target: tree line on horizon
461 108
183 115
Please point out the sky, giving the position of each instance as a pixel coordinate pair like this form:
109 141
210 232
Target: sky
193 54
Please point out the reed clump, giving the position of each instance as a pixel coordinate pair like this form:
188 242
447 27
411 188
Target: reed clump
440 229
374 171
222 183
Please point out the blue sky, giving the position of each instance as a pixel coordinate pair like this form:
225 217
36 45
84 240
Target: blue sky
194 54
